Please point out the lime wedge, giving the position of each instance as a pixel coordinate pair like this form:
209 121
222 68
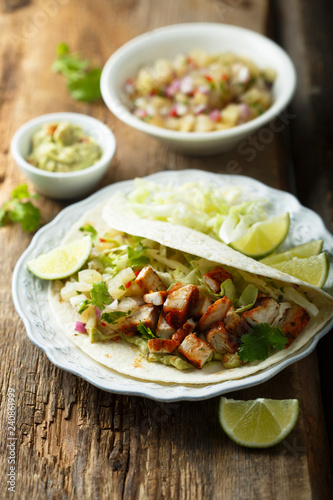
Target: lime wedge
63 261
313 247
263 237
259 423
313 270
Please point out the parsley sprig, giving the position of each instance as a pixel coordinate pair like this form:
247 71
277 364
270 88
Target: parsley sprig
256 345
83 81
20 209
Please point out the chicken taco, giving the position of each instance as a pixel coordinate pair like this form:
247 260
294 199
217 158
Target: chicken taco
165 303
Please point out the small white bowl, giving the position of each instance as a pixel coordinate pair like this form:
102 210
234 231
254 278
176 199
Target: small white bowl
169 41
65 185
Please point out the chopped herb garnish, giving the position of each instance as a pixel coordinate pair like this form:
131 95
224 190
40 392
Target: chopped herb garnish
87 228
100 295
121 287
113 316
146 332
83 81
256 344
84 306
136 256
17 210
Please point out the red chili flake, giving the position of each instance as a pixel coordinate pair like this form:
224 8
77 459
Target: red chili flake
137 272
102 240
102 323
224 77
128 284
209 78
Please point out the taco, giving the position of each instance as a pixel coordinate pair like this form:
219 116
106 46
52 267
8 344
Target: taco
165 303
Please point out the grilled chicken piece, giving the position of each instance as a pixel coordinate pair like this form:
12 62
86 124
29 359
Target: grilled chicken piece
182 332
265 312
201 307
179 303
215 278
149 281
235 324
220 339
162 346
163 329
147 314
155 298
215 312
293 321
195 350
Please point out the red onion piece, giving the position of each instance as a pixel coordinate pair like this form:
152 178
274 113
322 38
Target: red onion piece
80 327
215 115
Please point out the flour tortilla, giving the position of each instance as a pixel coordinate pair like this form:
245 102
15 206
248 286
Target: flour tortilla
124 357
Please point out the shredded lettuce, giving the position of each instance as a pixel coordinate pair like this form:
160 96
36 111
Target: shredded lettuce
222 213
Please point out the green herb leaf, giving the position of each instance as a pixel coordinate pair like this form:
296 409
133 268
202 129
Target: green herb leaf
100 295
85 304
87 228
145 331
83 81
17 210
85 86
113 316
256 344
136 256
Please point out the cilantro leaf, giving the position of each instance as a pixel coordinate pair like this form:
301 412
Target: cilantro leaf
83 81
257 343
85 86
26 214
113 316
145 331
85 304
17 210
87 228
136 256
100 295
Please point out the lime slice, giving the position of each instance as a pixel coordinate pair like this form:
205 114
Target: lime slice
263 237
313 270
305 250
63 261
259 423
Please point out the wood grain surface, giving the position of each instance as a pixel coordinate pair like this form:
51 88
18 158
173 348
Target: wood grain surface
74 440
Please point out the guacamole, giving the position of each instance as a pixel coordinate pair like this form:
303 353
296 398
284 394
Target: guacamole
63 147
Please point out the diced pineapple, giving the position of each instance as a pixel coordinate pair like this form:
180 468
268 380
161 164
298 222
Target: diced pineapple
231 114
77 302
117 284
71 288
203 124
145 81
89 276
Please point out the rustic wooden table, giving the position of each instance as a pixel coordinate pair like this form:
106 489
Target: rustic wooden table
74 440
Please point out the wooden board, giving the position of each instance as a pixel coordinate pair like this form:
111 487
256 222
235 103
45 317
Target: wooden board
74 440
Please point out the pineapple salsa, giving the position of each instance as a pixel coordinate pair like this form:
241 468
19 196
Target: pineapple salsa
200 92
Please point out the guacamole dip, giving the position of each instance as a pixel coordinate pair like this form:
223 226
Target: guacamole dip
63 147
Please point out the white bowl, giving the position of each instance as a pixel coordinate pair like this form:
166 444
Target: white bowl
169 41
65 185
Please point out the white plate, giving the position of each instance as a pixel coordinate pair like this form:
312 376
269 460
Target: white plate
30 293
